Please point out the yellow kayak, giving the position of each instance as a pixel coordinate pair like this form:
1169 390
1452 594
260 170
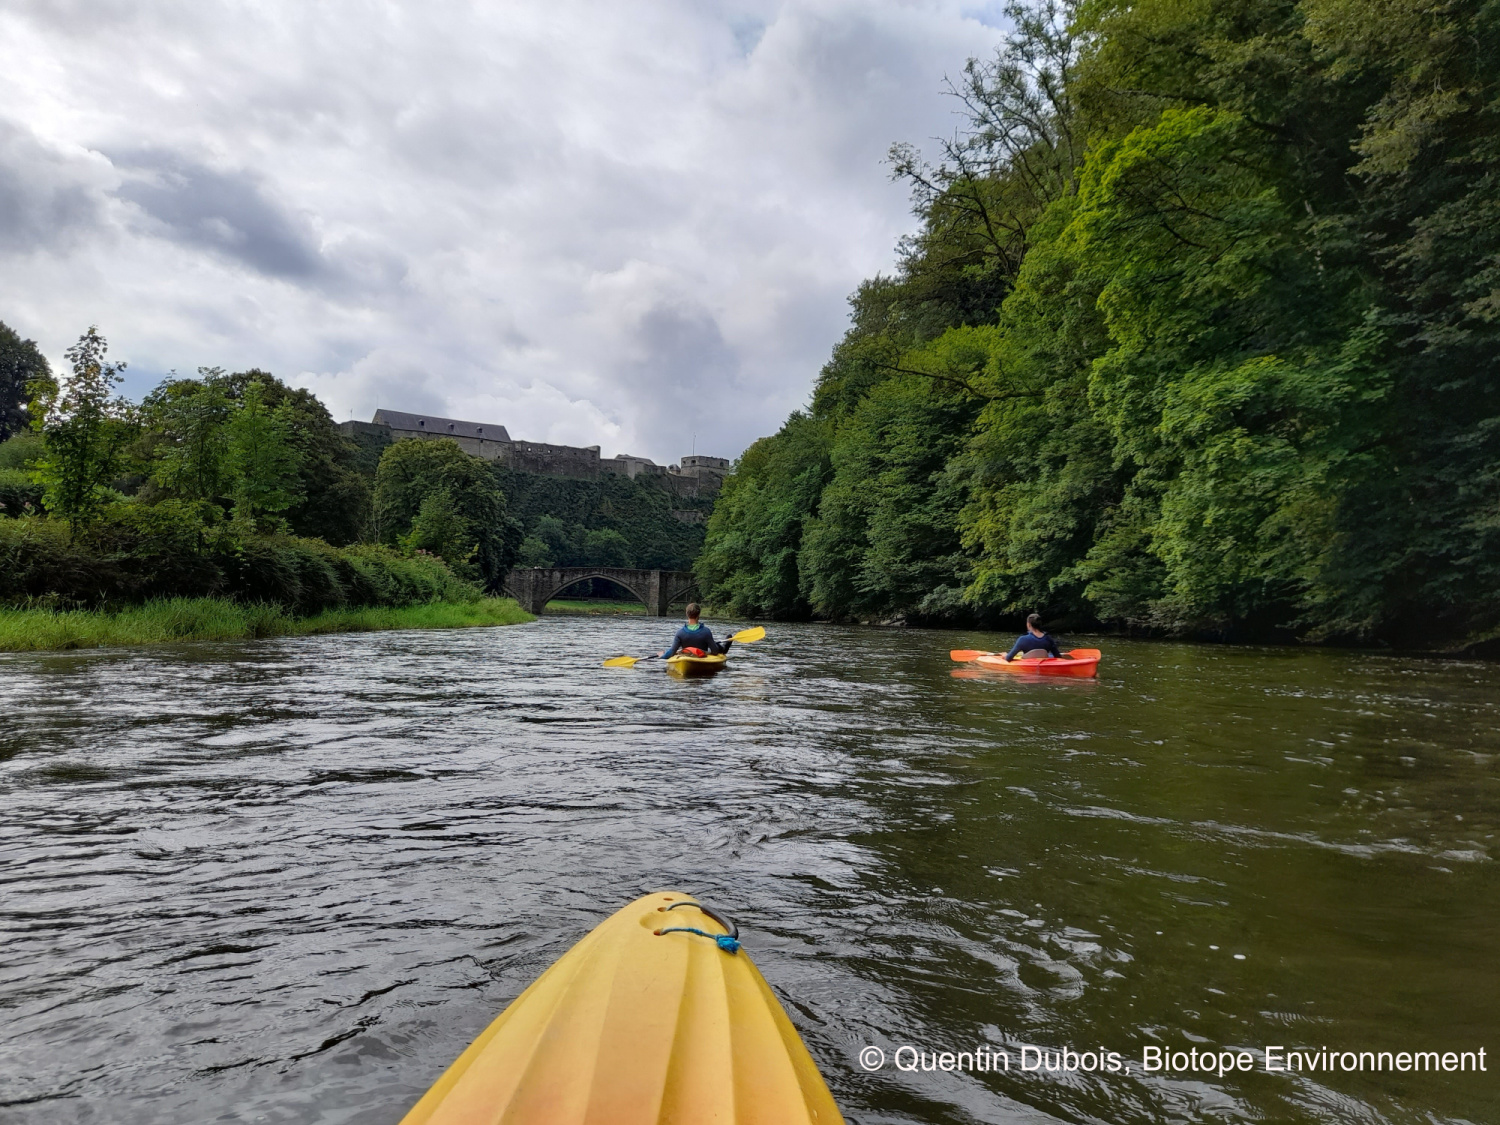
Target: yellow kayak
684 665
656 1016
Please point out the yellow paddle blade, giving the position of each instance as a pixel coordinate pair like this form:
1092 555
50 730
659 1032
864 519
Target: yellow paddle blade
964 655
621 661
748 636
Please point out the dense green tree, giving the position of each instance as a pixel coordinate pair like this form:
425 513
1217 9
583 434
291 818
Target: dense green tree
749 562
1365 440
148 489
1222 385
555 542
642 512
1040 465
432 495
439 528
333 494
534 552
183 450
1417 546
20 364
1216 287
185 439
260 457
20 493
86 428
886 539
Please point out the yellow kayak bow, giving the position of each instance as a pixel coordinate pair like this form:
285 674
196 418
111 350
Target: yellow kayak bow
656 1016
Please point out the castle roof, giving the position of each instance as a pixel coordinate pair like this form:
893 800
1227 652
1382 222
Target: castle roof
444 427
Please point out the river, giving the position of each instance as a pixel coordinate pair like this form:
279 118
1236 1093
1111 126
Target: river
288 881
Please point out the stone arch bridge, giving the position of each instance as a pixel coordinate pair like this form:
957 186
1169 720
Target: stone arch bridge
535 586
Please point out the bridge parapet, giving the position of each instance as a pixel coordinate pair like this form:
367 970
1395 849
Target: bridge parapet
535 586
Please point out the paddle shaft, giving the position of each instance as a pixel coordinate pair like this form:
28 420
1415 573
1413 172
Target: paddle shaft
744 636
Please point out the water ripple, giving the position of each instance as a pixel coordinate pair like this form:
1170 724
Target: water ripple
290 880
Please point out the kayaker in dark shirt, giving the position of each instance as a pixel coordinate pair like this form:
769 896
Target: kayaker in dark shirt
694 635
1033 639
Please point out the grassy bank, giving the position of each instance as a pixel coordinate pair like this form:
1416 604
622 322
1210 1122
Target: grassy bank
219 619
595 606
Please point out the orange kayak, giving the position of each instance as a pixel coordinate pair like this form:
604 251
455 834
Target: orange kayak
1078 662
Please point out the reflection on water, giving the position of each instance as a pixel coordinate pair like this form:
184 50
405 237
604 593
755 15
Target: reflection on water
288 881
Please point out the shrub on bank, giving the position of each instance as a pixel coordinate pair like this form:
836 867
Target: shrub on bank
308 576
138 553
19 493
220 619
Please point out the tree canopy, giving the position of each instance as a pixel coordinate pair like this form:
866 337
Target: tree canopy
432 496
86 427
233 475
1199 332
20 365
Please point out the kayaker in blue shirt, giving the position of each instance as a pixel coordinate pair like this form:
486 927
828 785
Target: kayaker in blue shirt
1033 639
694 635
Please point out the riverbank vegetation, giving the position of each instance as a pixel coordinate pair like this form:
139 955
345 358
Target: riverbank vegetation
223 619
132 554
236 486
228 486
1199 333
597 607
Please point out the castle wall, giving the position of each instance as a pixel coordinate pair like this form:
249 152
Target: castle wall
479 447
698 478
623 464
692 487
489 449
371 429
555 460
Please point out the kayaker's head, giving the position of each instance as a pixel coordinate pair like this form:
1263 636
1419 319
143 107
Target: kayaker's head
693 610
1034 625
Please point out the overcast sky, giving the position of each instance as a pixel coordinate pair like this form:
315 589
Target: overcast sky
605 223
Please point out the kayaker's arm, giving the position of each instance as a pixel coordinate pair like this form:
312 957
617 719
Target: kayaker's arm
676 644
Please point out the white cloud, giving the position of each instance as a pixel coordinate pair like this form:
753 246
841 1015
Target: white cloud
594 223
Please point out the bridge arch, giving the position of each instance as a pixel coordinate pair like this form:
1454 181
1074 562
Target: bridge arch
640 595
534 587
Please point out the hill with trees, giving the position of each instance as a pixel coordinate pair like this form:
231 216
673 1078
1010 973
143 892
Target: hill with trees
1198 333
237 485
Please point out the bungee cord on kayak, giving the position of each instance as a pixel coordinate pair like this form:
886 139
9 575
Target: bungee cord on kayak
723 941
729 941
728 923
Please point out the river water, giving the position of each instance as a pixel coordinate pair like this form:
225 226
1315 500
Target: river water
288 881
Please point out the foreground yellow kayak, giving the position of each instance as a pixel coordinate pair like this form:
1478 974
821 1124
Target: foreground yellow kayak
656 1016
685 665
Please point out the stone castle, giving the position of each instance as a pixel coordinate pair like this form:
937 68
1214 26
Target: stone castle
694 477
